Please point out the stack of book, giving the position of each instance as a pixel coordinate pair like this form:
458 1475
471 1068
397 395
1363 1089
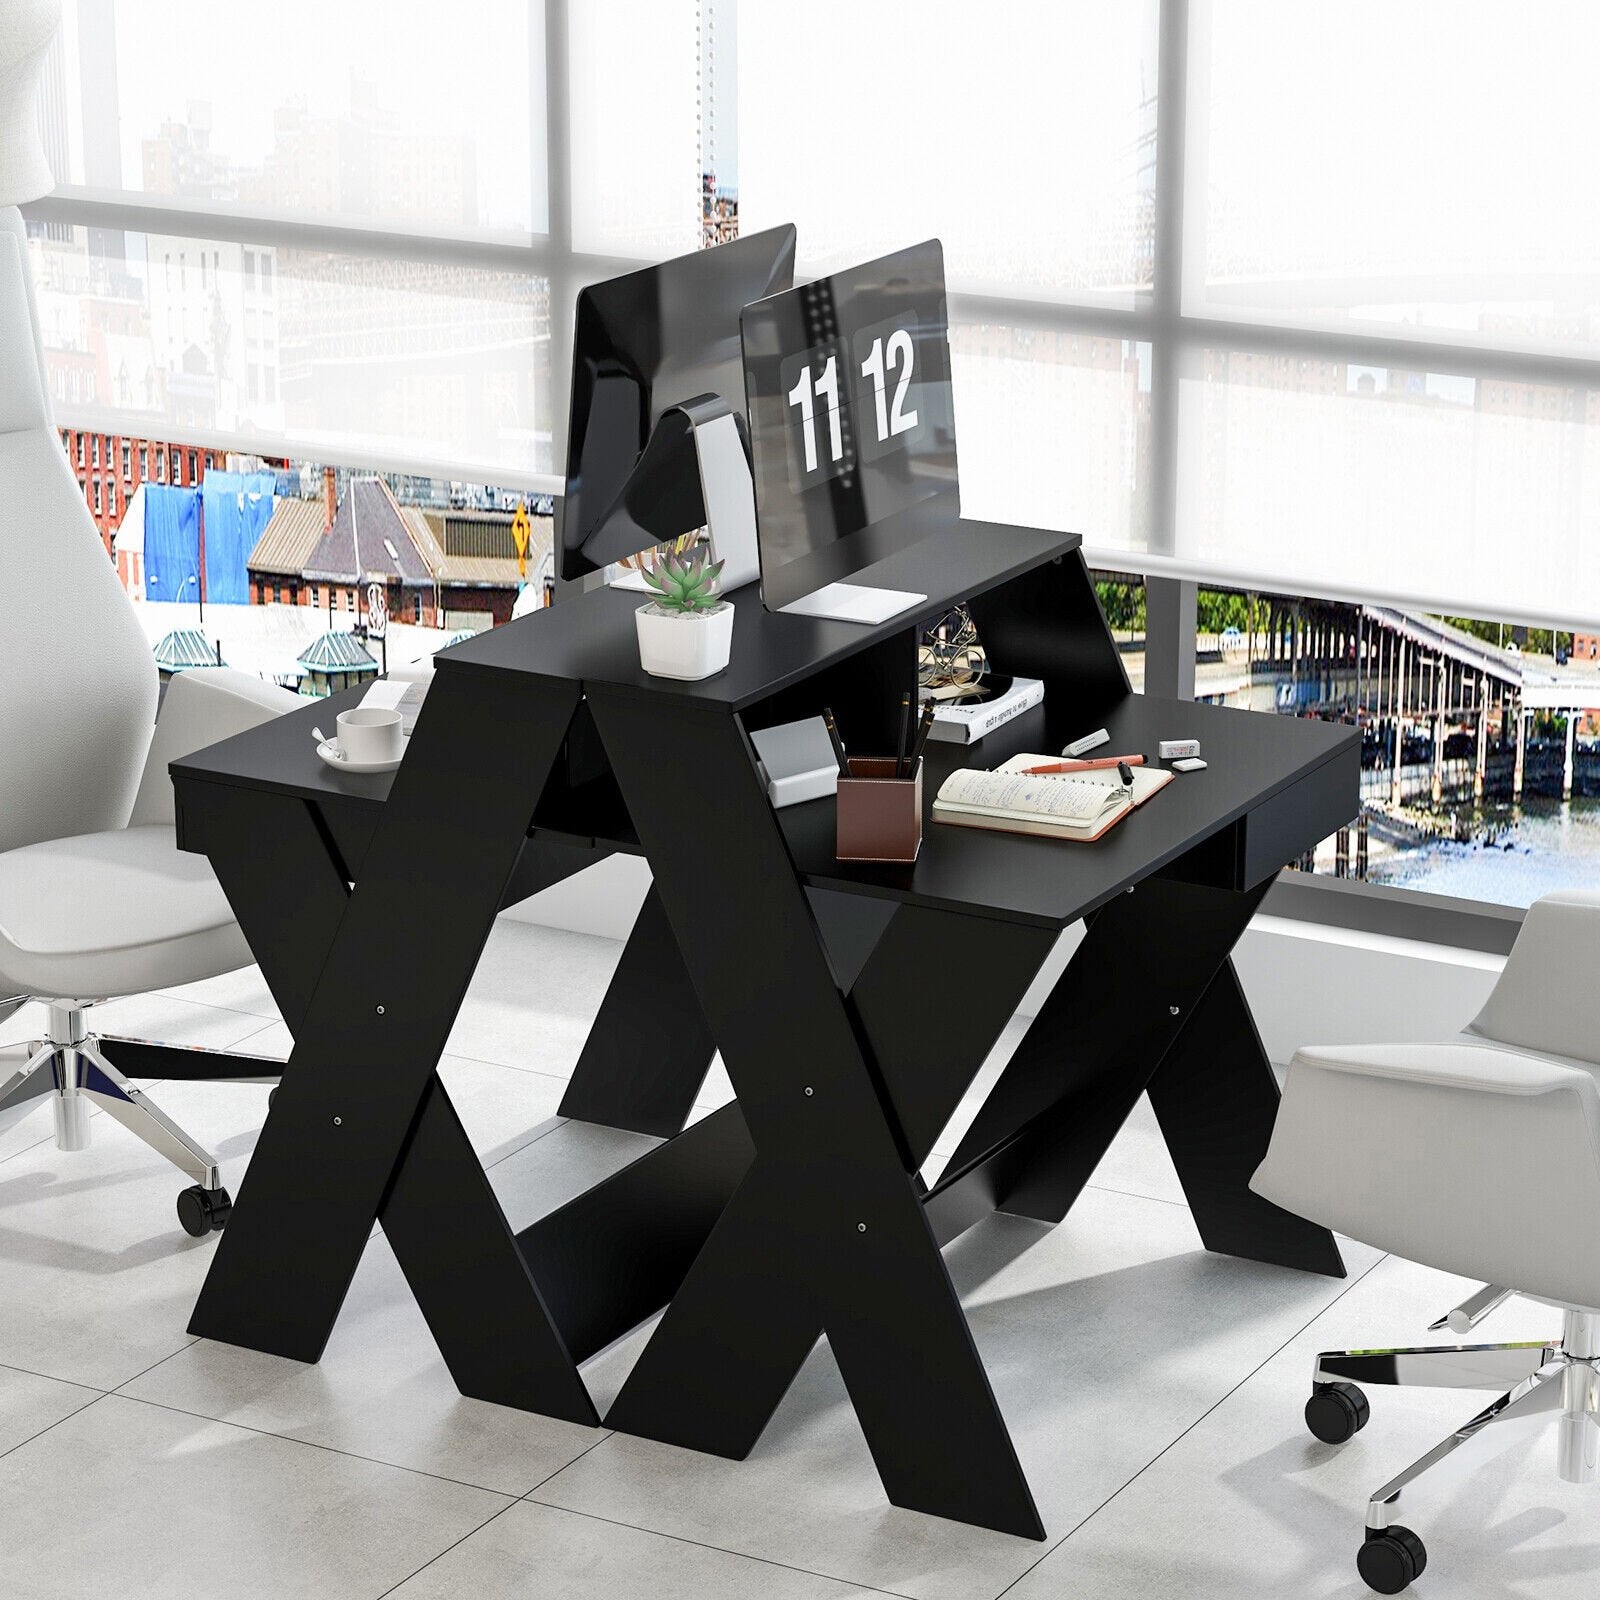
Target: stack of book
965 721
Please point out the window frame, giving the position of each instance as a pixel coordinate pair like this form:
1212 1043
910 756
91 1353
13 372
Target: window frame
1158 319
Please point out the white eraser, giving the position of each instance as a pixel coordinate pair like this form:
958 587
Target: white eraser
1176 749
1090 741
1188 764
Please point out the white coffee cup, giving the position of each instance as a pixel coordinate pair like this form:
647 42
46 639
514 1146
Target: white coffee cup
370 734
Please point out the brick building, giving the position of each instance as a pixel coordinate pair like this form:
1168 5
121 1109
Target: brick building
439 569
109 467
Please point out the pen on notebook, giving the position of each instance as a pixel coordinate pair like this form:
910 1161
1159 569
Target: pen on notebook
838 743
902 746
924 728
1084 766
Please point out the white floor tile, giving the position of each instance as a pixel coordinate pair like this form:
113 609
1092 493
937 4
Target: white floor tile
1248 1504
1104 1340
99 1277
29 1404
244 990
1129 1365
381 1391
143 1503
534 1550
566 1162
534 996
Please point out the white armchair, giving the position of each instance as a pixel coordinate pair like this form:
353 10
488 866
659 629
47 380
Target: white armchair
96 900
1479 1155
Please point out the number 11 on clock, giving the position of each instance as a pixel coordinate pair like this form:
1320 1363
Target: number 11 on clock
805 395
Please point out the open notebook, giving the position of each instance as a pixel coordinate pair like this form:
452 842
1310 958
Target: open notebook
1074 805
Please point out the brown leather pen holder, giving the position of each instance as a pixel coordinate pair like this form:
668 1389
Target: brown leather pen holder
879 816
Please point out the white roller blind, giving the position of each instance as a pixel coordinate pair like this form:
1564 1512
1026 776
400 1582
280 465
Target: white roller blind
1415 172
1019 133
412 365
1477 497
1421 167
425 118
635 91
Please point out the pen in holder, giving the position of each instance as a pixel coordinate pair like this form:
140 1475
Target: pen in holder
879 816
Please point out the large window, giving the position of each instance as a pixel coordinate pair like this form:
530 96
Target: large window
351 248
1300 301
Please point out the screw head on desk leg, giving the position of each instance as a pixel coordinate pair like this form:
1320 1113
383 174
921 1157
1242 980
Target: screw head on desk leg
1173 1010
861 1227
338 1122
380 1011
809 1091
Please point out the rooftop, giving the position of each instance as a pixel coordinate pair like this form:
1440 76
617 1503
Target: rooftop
286 543
183 648
372 537
337 652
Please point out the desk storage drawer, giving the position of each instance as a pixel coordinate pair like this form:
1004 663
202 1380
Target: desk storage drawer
1282 827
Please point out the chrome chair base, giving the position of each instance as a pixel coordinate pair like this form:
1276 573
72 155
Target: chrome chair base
70 1069
1538 1379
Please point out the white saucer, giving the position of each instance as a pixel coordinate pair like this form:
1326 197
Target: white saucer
328 747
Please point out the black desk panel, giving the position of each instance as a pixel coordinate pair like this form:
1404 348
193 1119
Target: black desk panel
591 636
1252 759
797 1210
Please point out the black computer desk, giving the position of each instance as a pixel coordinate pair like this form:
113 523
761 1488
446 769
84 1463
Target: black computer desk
852 1005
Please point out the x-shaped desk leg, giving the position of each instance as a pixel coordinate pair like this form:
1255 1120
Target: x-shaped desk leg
362 1129
1149 1002
827 1233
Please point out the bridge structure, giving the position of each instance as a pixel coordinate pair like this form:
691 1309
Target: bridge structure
1440 709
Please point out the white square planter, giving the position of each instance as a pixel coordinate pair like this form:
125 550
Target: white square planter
686 645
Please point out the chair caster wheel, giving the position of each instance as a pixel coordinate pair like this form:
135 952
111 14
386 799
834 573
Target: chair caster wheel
1337 1412
1391 1560
203 1211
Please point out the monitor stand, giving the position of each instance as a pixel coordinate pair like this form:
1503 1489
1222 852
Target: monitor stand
726 487
852 602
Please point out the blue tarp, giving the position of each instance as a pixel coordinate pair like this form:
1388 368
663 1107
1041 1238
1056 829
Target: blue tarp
238 507
171 542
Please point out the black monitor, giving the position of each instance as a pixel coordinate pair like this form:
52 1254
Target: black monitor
644 344
852 424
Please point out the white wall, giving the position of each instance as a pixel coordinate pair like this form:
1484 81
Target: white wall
1306 983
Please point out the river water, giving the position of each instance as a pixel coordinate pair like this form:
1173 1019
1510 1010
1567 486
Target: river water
1540 846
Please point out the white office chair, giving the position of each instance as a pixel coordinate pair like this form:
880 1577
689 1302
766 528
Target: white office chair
96 900
1480 1156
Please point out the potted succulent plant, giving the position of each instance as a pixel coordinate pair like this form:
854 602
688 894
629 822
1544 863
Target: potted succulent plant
687 630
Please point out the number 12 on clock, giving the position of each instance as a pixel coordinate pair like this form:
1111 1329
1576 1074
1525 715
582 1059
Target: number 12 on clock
882 358
805 395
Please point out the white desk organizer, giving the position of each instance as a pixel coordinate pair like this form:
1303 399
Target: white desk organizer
797 761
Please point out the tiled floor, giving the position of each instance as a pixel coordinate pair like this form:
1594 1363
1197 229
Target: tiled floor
1153 1391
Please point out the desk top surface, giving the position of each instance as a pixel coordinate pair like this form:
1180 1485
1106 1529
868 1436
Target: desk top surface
591 636
1252 756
